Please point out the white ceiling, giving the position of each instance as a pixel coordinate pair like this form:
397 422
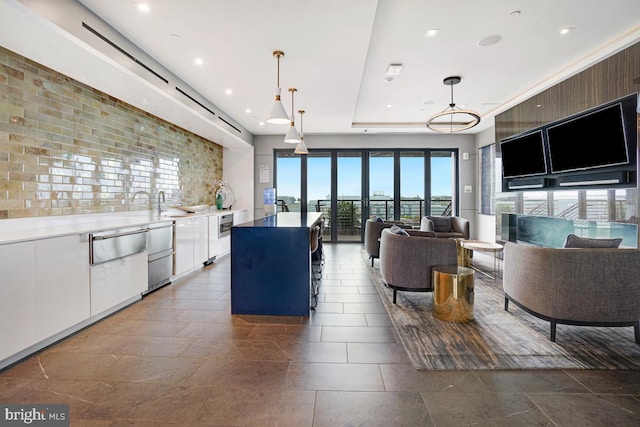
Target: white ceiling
337 53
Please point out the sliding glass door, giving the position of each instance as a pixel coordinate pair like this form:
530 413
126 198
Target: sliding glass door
349 196
349 186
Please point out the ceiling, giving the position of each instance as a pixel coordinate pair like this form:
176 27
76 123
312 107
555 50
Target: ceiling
337 53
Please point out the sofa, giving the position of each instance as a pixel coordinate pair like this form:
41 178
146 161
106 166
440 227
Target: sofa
372 230
574 286
446 226
406 260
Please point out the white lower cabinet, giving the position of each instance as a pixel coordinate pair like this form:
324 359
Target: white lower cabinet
62 283
17 298
192 243
117 281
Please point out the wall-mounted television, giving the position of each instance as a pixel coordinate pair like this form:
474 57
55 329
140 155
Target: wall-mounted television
523 155
594 139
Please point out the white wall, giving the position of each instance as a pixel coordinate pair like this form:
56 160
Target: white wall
238 171
265 144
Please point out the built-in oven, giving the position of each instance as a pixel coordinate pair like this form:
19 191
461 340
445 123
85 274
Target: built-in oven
225 222
160 238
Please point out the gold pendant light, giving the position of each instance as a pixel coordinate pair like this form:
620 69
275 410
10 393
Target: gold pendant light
301 148
277 115
292 136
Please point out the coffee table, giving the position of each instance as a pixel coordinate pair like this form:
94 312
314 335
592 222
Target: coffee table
481 246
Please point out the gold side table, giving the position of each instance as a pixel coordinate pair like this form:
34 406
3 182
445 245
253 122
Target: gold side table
453 293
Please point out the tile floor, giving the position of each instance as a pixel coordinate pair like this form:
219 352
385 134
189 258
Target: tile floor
179 358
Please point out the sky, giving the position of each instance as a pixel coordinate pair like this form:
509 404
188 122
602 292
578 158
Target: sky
349 176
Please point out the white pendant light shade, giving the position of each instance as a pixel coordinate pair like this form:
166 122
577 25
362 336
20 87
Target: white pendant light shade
292 136
277 115
301 148
453 119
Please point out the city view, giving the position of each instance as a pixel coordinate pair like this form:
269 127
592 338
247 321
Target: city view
381 189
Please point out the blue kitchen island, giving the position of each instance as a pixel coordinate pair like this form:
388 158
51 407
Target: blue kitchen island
271 265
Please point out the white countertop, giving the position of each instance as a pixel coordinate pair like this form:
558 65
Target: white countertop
25 229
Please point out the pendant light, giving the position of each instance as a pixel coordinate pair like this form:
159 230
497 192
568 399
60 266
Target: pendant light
453 119
277 115
292 136
301 148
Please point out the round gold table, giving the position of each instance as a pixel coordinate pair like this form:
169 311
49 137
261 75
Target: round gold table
453 293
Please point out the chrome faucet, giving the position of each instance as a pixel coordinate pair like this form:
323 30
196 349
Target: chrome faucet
160 193
142 193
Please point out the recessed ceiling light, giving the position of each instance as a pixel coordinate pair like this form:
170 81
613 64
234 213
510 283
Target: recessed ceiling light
432 32
429 102
490 40
261 123
566 30
515 14
144 7
229 92
388 79
389 106
198 61
248 110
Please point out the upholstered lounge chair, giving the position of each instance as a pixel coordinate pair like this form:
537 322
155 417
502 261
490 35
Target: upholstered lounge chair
372 230
406 261
589 287
446 226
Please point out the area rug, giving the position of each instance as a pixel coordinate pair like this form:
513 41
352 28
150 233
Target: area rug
497 339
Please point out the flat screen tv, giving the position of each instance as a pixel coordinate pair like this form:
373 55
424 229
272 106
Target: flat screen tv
593 139
523 155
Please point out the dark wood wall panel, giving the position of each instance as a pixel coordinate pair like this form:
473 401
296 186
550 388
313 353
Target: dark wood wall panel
610 79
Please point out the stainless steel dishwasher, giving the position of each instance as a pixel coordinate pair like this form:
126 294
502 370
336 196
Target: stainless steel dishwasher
115 244
160 244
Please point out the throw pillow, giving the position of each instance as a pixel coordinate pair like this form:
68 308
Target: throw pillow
441 224
574 241
398 230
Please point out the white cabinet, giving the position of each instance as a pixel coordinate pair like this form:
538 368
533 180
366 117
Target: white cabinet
201 240
62 283
117 281
214 244
240 217
17 296
192 243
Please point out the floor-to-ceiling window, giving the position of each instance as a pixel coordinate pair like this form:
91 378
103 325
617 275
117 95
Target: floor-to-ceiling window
289 182
349 186
443 175
381 184
412 186
349 196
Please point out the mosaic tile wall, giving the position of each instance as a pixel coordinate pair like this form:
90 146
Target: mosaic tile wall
66 148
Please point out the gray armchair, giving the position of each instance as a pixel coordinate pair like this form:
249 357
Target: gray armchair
591 287
406 261
446 226
372 231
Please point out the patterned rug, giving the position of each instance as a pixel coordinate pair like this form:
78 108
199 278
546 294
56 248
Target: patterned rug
497 339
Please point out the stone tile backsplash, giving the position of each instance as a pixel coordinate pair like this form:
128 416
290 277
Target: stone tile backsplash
66 148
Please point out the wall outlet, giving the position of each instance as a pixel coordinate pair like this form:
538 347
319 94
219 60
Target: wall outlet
465 156
468 189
